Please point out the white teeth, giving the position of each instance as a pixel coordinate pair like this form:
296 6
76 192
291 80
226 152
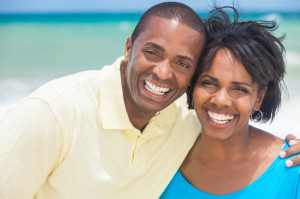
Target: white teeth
220 121
220 118
155 89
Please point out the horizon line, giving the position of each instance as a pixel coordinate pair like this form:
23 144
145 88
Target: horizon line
66 12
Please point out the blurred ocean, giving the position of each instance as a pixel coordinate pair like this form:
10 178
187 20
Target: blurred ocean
36 48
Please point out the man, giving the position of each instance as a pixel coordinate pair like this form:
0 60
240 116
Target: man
113 133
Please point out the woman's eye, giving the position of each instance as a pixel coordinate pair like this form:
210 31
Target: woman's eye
208 83
241 90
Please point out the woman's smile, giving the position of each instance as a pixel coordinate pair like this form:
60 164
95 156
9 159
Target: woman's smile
220 118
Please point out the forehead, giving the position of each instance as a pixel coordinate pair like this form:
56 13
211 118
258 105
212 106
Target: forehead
165 25
226 66
171 34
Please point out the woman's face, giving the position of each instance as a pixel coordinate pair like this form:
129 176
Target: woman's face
225 96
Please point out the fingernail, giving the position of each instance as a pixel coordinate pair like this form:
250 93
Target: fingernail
282 154
289 163
292 142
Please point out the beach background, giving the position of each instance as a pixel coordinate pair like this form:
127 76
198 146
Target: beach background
44 40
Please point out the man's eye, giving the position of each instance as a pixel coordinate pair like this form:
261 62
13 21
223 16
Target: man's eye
150 52
183 65
152 55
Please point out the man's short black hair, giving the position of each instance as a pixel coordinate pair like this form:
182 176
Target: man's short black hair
170 10
252 43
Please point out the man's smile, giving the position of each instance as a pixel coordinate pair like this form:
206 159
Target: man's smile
155 89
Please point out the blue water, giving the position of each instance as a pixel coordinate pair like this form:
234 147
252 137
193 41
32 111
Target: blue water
58 44
35 48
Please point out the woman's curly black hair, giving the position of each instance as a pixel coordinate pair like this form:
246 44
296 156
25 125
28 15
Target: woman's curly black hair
251 42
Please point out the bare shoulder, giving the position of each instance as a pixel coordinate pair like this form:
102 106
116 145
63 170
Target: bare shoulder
271 143
266 137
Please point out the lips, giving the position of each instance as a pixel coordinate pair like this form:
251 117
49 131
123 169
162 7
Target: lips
155 89
220 118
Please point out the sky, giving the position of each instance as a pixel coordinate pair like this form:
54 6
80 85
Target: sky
61 6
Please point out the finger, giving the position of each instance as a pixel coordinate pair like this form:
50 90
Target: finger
293 161
292 150
293 142
290 137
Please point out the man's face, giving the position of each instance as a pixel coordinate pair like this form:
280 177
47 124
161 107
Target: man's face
160 64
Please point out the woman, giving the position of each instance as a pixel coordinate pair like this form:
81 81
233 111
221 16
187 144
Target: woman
239 80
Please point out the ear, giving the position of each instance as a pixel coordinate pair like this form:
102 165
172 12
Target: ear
128 48
260 98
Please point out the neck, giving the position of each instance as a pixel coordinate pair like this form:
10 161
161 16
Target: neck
208 149
138 119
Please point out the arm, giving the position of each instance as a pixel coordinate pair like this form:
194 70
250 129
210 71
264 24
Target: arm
30 148
292 150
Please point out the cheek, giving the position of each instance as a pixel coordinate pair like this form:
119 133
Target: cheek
199 99
142 67
132 78
199 95
183 81
134 70
245 107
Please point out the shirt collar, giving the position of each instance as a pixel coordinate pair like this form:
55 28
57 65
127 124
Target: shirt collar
113 112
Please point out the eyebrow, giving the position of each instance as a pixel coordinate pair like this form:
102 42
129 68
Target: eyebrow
185 57
243 83
155 46
234 82
211 77
162 49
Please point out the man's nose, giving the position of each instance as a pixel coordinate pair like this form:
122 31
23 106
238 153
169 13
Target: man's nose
221 98
163 70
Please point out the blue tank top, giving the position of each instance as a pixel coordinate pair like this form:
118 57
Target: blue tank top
277 182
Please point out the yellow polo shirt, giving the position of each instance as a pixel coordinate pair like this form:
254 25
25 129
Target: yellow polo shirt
72 139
